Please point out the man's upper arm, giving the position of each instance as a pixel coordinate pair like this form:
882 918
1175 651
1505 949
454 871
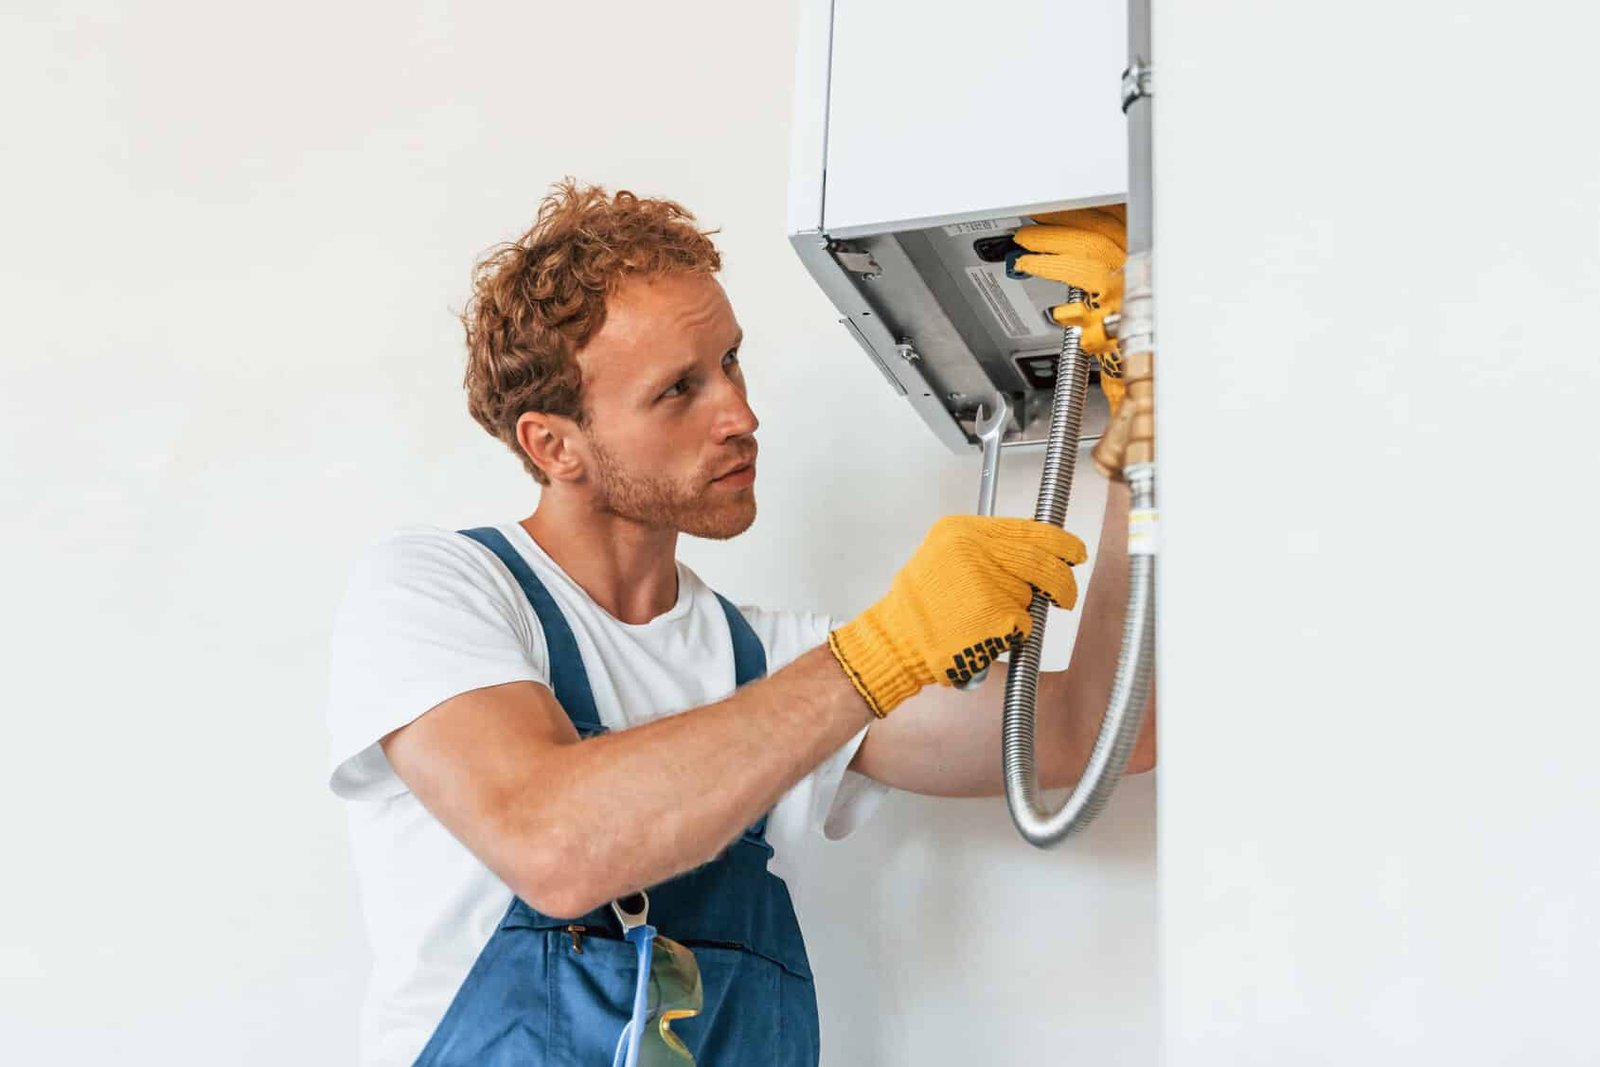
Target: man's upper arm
480 763
427 616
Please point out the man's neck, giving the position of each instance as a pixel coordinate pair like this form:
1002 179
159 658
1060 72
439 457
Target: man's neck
629 570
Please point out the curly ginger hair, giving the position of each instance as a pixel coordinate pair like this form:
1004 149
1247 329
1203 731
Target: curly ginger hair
538 300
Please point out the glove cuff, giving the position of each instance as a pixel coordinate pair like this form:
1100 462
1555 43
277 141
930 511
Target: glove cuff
870 660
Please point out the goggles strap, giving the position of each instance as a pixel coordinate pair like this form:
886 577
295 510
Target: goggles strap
643 938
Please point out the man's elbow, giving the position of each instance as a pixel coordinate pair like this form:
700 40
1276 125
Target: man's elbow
1143 756
555 879
1139 763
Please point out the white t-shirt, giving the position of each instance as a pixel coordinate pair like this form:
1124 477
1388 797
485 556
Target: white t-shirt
429 614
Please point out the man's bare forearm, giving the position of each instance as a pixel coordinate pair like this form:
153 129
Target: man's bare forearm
1081 691
637 806
1077 697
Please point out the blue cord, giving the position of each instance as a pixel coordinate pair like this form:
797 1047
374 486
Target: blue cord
643 938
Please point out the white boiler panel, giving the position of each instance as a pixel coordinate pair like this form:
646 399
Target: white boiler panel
920 110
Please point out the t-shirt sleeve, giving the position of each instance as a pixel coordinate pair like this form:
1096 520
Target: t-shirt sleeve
427 615
834 800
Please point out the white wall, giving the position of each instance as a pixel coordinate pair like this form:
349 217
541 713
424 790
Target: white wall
233 240
1379 297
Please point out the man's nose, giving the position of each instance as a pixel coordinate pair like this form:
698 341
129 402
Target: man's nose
736 418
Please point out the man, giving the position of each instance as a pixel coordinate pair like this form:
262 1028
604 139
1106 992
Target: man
535 719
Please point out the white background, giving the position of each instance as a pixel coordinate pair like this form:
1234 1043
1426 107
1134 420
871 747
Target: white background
230 246
233 241
1379 303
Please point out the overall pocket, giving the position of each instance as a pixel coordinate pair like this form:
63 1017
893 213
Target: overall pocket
591 996
741 1019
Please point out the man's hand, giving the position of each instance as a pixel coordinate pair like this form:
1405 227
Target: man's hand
960 602
947 742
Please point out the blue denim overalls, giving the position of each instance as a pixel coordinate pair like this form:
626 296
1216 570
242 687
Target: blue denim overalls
540 994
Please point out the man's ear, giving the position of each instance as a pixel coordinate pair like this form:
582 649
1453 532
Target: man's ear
554 444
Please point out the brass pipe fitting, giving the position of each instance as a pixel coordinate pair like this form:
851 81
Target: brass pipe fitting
1113 444
1138 370
1130 440
1131 437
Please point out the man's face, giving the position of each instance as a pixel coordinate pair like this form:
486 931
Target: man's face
668 418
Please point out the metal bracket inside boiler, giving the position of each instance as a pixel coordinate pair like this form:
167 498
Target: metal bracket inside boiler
948 327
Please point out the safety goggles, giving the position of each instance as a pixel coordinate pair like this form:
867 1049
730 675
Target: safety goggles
667 989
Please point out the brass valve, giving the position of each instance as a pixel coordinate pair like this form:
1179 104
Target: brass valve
1131 437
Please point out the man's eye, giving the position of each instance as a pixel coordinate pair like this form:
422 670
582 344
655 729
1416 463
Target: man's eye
678 388
731 357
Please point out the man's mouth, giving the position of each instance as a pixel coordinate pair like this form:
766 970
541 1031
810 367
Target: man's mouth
740 469
739 473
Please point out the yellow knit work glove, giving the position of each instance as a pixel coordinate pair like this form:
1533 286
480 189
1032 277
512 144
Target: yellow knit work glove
960 602
1085 248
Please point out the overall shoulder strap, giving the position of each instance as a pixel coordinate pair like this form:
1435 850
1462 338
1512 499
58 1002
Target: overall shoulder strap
749 657
567 675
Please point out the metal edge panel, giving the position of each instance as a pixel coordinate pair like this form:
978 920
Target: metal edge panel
808 138
867 327
872 353
927 223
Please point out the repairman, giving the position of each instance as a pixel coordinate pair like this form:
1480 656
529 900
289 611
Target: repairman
556 742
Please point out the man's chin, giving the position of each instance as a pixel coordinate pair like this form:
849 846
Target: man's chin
723 524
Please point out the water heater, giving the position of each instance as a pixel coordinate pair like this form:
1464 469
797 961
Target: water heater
925 133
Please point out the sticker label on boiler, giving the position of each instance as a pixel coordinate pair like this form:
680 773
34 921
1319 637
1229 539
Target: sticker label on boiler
1008 301
982 226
